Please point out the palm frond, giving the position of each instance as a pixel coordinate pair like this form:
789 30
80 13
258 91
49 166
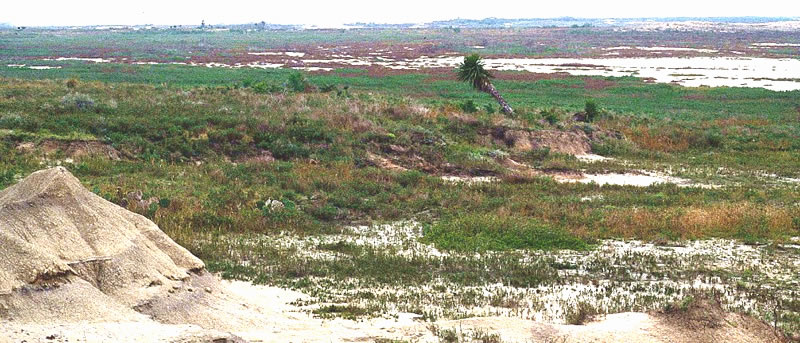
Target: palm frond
472 71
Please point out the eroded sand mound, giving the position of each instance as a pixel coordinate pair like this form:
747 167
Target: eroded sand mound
58 237
566 142
69 256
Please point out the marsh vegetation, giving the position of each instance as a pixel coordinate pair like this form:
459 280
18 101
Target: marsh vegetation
331 182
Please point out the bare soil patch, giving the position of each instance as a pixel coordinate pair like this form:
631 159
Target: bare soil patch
567 142
597 84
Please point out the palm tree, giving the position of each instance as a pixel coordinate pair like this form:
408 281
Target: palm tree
471 70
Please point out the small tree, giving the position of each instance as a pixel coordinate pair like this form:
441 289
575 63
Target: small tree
472 71
592 112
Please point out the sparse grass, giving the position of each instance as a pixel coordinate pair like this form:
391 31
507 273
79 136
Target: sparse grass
344 311
455 335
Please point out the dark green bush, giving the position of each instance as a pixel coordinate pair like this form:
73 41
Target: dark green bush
284 149
324 213
591 110
713 139
328 87
468 106
409 178
264 87
297 82
551 116
309 131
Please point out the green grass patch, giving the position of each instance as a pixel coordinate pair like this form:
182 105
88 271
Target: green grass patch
344 311
486 231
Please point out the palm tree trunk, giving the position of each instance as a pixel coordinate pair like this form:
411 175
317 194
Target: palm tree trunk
493 91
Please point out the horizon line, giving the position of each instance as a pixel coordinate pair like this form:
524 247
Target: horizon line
678 18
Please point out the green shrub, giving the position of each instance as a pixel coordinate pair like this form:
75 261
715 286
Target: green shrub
284 149
324 213
591 110
468 106
551 116
713 139
614 147
297 82
309 131
264 87
580 314
328 87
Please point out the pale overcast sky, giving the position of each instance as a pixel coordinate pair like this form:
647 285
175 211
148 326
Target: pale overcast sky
331 12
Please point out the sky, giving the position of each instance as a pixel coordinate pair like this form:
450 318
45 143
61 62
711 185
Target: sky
333 12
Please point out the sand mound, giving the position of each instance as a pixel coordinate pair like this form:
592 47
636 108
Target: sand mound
73 264
64 243
705 320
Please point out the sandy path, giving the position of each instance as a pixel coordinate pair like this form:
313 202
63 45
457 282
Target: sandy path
280 321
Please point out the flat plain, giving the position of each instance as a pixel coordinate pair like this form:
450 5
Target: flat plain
353 166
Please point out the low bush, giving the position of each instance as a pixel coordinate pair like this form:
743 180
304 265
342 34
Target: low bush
77 101
551 116
297 82
580 313
264 87
591 110
468 106
284 149
614 147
